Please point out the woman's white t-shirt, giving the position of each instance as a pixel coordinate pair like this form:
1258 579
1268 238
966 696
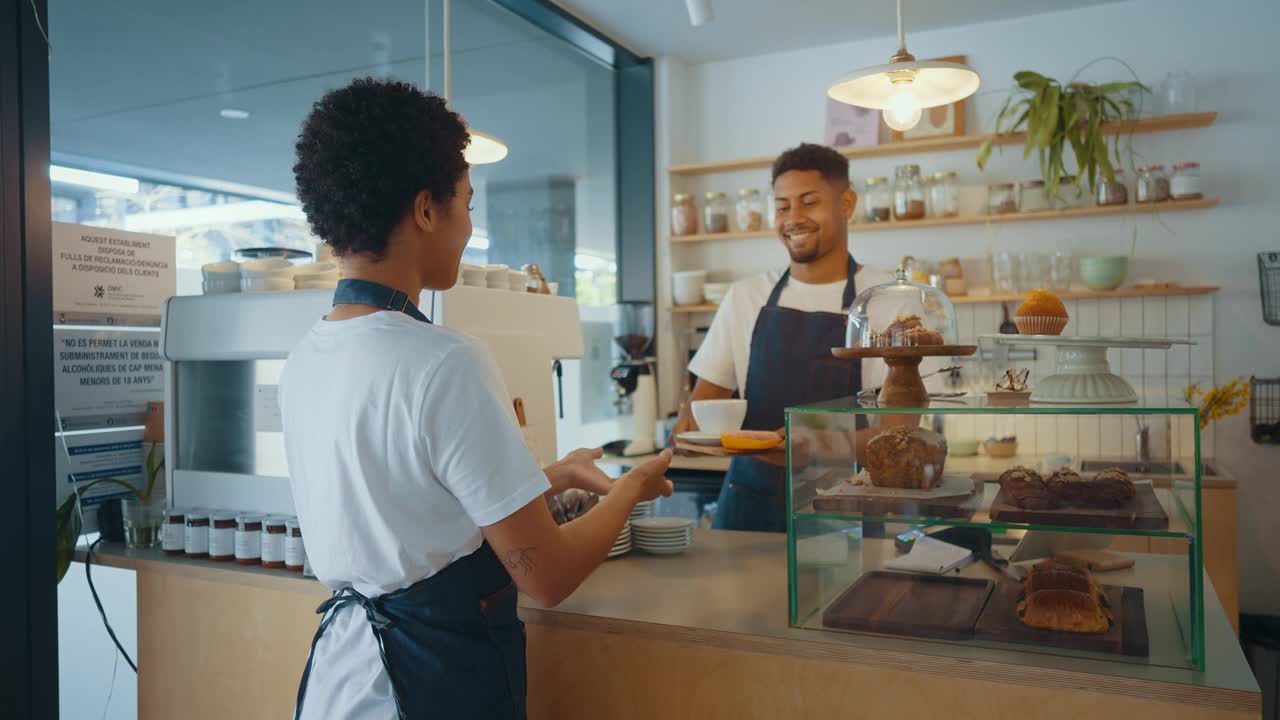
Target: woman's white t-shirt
401 443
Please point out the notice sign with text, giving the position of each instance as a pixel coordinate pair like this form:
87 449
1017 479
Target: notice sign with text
118 455
105 378
103 276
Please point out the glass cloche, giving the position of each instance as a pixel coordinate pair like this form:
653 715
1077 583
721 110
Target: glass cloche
901 313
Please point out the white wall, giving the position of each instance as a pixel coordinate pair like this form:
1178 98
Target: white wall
763 104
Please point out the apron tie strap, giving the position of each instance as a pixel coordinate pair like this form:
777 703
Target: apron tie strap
377 622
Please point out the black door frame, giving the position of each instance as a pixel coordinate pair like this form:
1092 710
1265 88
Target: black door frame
29 651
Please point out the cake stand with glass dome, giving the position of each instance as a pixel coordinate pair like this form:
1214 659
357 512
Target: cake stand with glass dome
902 322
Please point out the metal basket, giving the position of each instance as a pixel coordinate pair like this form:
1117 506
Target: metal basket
1264 410
1269 282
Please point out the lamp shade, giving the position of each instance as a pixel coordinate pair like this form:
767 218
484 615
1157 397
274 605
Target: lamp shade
932 82
484 148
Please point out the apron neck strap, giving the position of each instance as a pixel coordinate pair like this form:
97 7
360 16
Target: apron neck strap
351 291
850 290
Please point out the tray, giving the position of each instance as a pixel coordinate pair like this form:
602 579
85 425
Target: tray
953 507
1143 512
1127 636
930 606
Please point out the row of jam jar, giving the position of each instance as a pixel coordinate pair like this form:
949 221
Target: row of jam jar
749 212
271 541
1153 186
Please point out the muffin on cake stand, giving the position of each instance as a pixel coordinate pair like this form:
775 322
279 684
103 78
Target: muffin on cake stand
902 323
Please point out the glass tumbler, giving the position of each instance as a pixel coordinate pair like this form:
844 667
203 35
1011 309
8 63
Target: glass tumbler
1061 269
1035 271
1005 268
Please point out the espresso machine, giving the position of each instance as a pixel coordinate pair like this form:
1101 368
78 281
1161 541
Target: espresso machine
633 376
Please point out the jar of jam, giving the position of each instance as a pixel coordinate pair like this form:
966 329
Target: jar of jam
878 203
222 536
273 535
195 541
684 216
1001 199
908 193
716 213
1112 193
295 553
1185 183
1153 184
248 539
174 533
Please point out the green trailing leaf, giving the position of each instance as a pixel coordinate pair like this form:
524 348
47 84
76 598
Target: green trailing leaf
984 154
1028 80
67 522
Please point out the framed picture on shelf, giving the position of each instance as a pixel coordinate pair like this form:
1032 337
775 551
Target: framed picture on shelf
941 121
850 125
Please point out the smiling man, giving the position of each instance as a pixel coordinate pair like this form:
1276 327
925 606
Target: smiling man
772 336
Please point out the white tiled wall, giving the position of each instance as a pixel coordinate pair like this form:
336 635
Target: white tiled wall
1153 371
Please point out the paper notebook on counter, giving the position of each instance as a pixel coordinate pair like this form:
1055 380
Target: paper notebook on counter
929 555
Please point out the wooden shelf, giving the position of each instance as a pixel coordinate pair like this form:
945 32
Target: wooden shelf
1129 292
1130 209
1164 123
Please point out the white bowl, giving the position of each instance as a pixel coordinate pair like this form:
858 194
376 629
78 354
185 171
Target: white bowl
221 286
250 283
719 416
473 275
517 280
267 267
316 270
495 276
686 287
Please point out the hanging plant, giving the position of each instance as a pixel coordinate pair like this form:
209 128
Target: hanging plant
1055 117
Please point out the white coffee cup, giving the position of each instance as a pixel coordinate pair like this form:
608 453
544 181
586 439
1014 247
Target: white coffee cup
719 416
686 287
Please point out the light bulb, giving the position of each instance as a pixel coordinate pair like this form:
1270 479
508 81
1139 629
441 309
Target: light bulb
904 110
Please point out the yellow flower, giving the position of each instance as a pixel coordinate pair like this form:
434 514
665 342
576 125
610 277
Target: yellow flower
1218 402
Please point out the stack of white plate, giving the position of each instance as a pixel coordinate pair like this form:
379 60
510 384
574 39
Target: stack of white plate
473 275
316 276
662 535
643 509
622 545
266 275
495 277
221 278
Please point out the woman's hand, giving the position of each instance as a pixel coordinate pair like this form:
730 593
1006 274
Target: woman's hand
578 469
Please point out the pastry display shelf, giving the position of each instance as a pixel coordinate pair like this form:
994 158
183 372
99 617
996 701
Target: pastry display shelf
1164 123
1101 211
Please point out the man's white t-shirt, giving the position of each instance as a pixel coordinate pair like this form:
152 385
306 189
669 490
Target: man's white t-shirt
401 443
726 351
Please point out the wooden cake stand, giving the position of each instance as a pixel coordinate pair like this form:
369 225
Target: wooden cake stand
904 387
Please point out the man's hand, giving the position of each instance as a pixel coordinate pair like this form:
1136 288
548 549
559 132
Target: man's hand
684 423
578 469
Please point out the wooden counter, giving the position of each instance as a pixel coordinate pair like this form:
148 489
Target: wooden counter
701 634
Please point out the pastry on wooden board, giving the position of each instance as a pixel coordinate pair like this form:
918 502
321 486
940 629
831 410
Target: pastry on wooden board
904 457
1066 485
1027 489
1110 488
1061 596
906 331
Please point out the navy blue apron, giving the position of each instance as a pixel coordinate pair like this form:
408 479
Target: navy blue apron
791 364
452 644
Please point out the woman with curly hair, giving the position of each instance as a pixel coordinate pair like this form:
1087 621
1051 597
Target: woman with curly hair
422 508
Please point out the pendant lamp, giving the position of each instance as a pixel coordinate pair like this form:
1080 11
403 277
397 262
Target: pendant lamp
483 148
905 86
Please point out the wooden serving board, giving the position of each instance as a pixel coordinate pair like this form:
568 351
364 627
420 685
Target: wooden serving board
1143 512
1127 636
942 607
778 452
913 351
959 507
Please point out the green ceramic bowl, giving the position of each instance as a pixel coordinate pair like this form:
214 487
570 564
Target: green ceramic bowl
1104 273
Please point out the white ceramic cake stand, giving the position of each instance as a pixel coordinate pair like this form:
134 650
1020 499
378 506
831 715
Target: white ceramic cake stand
1083 375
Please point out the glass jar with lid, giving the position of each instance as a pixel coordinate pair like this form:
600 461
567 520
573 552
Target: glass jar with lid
878 203
295 553
684 215
248 539
222 536
273 538
944 194
1185 183
1112 192
1001 199
908 193
1153 184
195 542
174 531
750 209
771 210
1032 196
901 313
1070 195
716 213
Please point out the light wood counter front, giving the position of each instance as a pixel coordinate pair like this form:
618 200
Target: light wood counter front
703 634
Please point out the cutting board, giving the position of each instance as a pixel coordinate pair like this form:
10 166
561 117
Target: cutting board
1143 512
955 507
931 606
1127 636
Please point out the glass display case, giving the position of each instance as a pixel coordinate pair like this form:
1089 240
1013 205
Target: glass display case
1028 527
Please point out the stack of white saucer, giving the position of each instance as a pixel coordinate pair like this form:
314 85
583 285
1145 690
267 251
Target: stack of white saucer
622 545
662 535
643 509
